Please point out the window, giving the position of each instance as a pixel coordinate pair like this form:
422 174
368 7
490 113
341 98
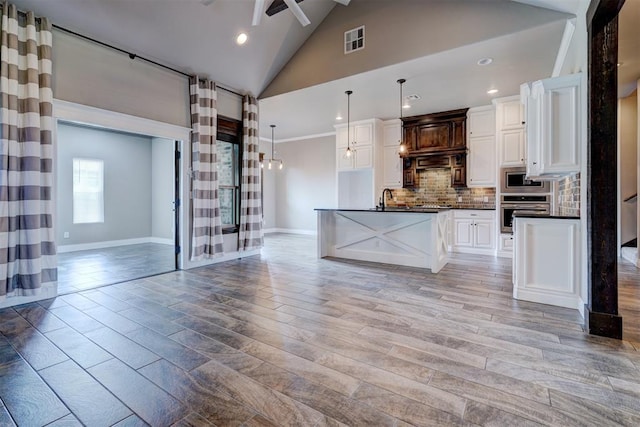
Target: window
354 40
88 191
229 169
229 156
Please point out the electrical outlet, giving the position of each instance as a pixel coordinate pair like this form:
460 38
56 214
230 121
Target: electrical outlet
459 198
486 199
66 234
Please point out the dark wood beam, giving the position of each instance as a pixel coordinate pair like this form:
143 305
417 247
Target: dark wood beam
602 307
277 6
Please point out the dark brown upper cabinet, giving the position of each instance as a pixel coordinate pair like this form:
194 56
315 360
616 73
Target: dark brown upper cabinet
437 133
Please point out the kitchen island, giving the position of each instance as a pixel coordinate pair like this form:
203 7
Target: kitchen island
408 237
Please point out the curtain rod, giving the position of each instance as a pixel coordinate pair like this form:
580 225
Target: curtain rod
134 56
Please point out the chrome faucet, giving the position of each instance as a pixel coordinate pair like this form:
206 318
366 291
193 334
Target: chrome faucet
382 198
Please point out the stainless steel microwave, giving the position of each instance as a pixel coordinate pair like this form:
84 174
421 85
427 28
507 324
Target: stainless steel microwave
514 180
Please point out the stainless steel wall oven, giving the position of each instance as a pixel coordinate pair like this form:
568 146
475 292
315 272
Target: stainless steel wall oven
536 204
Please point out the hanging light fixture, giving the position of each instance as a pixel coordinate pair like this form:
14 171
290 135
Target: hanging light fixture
272 159
349 151
402 148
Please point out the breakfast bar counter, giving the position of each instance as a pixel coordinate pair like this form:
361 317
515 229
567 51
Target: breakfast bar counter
408 237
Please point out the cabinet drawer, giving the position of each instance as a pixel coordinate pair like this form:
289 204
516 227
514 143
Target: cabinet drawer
506 242
473 214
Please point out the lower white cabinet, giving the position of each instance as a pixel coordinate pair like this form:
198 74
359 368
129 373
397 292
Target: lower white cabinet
474 231
546 261
506 243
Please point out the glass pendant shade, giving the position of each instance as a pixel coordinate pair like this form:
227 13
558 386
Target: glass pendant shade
273 159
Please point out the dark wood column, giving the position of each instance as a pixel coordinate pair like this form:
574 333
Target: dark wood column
603 318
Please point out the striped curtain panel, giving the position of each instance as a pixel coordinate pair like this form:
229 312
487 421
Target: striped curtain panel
250 235
27 242
206 235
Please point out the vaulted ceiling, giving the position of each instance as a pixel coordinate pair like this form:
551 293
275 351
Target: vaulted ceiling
301 72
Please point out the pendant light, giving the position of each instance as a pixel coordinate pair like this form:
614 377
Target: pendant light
272 159
402 148
349 151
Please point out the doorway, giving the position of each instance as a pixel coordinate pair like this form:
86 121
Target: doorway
119 182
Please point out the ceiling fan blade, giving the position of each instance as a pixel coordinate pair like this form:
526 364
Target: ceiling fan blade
297 12
257 12
343 2
277 6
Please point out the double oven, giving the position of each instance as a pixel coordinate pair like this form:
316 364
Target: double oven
522 195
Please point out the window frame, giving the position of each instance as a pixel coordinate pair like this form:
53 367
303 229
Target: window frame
230 130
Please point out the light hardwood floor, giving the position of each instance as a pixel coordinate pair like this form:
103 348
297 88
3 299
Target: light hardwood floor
287 339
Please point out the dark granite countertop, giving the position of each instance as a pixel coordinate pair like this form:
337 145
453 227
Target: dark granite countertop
427 209
388 210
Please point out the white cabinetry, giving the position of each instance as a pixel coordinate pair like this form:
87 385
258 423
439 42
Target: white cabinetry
474 231
359 176
481 161
546 261
392 169
362 135
506 244
510 131
553 126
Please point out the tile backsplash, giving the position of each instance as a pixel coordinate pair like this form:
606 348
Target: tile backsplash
435 188
568 203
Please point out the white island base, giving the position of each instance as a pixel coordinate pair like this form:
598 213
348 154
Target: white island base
413 239
546 261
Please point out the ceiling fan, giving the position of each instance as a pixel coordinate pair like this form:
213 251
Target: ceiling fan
278 6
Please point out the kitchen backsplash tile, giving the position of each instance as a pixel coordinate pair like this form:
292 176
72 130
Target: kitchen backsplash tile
569 196
435 189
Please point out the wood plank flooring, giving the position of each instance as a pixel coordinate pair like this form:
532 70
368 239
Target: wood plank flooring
285 339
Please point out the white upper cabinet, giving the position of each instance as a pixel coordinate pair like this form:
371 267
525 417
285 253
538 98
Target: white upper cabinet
512 147
392 169
361 137
510 113
481 141
510 131
481 121
553 126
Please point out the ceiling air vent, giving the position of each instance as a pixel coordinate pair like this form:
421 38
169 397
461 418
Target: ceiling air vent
354 40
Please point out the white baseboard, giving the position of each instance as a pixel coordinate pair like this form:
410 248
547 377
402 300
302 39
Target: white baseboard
291 231
112 243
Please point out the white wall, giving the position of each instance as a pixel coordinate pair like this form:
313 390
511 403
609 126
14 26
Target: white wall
308 181
628 164
89 74
162 188
127 184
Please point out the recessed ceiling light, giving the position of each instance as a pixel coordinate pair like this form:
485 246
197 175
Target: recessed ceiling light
406 106
338 117
241 39
485 61
492 91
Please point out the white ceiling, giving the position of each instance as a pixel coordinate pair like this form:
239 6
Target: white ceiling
195 37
